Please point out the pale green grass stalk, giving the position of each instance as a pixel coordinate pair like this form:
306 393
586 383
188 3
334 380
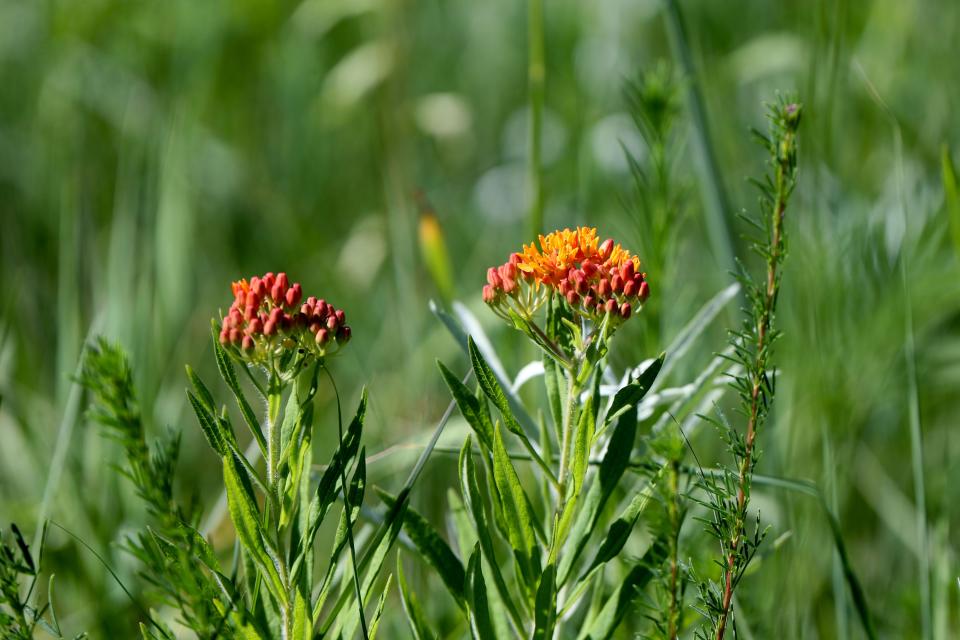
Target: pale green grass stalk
716 204
536 76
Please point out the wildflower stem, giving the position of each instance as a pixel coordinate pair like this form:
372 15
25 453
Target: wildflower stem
572 392
758 379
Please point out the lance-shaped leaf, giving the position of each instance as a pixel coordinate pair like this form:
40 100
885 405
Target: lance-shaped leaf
229 375
411 607
611 615
581 446
517 513
619 531
433 548
615 461
246 520
378 612
470 489
469 406
481 625
492 389
209 425
545 606
631 394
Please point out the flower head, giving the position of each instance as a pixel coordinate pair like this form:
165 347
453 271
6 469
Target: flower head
268 318
595 279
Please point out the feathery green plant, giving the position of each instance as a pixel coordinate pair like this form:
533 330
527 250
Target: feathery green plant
19 619
728 497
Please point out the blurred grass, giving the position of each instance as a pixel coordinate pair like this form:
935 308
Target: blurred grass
152 152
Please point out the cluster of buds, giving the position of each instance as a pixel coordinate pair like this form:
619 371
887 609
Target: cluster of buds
267 317
598 281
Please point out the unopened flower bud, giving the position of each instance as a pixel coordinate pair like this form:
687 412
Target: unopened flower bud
589 302
293 294
270 328
322 336
606 248
340 316
275 315
332 323
629 289
247 344
509 285
277 293
610 306
234 335
588 268
283 281
250 312
224 336
254 327
616 283
343 334
603 288
258 286
564 287
572 298
625 310
515 258
581 283
493 278
315 327
644 291
268 281
627 271
489 295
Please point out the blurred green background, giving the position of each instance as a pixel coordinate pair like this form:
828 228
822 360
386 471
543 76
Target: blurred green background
151 152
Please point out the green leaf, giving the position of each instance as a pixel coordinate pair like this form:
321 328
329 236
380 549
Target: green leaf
631 394
481 626
519 518
469 406
545 609
209 425
492 389
619 531
433 548
470 489
553 377
951 196
611 615
246 520
302 623
615 461
203 393
229 375
411 607
378 612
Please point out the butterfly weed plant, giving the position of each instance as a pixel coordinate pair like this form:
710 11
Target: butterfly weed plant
269 586
569 296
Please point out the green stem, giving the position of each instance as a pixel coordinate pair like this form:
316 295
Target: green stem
572 392
536 72
274 398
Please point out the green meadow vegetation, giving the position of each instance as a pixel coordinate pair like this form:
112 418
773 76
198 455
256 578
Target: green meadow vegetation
737 418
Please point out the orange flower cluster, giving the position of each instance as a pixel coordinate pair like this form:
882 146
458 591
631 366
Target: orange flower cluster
595 279
266 317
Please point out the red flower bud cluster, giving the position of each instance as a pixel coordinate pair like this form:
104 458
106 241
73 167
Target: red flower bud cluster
267 317
596 280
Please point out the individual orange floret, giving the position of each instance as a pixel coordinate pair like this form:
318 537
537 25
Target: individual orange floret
266 318
595 279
